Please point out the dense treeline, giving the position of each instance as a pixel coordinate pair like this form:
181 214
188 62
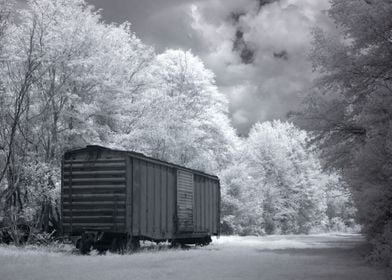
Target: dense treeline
275 184
68 79
350 110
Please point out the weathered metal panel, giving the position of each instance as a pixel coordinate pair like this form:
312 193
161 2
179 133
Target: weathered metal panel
200 203
209 208
158 200
154 200
185 189
149 198
203 205
210 202
143 198
91 205
163 209
129 195
212 214
201 214
194 205
93 191
155 221
136 201
207 200
171 202
214 207
206 205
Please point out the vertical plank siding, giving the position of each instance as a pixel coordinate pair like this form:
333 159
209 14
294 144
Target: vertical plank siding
136 202
155 185
206 205
163 198
157 196
171 202
143 198
129 194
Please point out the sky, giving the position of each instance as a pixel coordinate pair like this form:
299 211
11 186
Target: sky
258 49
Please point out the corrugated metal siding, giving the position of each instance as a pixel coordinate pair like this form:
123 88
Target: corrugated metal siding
154 199
93 193
206 205
185 202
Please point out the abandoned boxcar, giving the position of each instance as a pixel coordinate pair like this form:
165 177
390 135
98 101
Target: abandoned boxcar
111 199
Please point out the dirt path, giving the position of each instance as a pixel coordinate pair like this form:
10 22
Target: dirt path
262 258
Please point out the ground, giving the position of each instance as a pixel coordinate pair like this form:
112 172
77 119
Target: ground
332 256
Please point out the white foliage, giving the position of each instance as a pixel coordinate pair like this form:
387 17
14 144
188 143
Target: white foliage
277 182
183 116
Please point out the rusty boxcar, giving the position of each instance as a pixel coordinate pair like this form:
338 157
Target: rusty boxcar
111 199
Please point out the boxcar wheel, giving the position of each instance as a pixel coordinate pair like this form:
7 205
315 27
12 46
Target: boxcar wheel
78 244
207 240
204 241
114 247
179 244
175 244
85 244
118 245
133 244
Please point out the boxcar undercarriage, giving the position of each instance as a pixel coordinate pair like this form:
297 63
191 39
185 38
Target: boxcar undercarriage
121 242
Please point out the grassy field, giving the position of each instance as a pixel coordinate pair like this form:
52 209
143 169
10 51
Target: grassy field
332 256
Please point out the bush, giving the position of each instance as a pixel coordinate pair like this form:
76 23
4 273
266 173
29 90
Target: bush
227 225
382 247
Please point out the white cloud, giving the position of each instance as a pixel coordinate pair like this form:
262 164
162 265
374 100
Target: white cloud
275 38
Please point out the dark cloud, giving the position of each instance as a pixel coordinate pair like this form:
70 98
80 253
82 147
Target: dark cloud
242 47
163 24
283 55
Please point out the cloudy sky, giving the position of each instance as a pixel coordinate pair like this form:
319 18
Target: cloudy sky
257 48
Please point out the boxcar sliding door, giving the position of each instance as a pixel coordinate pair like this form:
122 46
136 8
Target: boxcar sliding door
184 201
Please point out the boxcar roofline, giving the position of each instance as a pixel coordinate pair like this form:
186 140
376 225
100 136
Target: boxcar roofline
141 156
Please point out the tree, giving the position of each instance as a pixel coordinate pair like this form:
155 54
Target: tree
19 67
276 184
63 67
184 116
350 110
